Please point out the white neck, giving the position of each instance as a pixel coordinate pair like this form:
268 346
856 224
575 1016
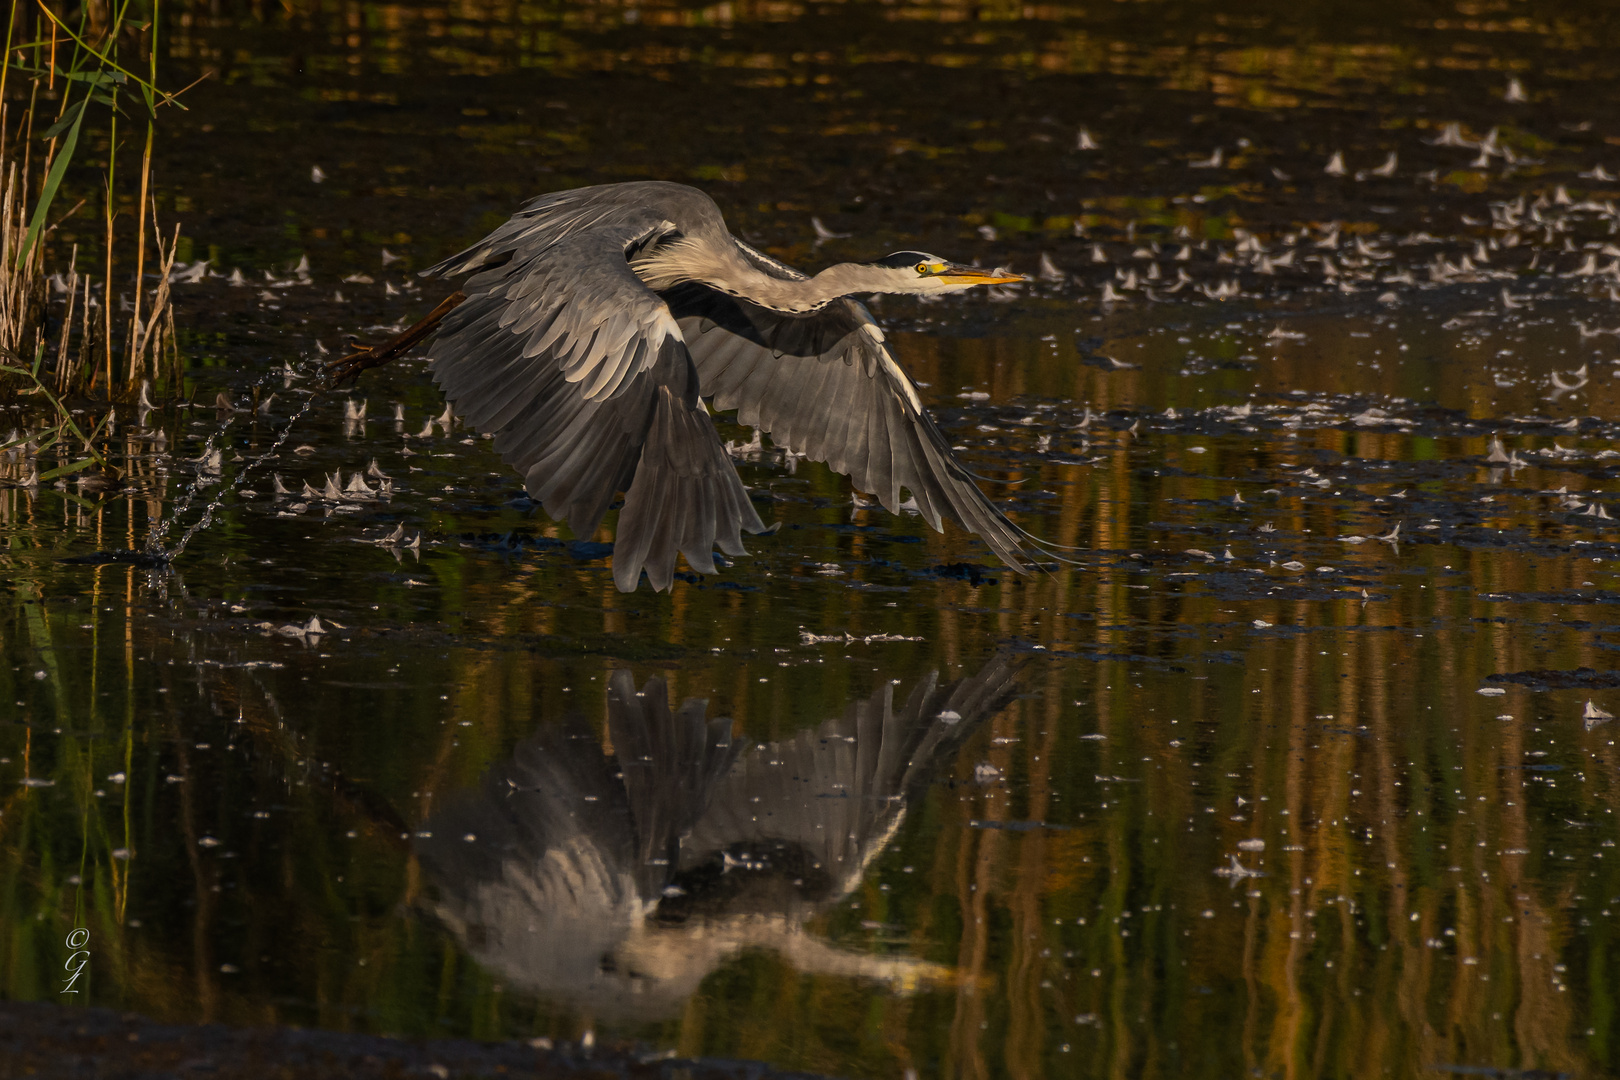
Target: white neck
727 271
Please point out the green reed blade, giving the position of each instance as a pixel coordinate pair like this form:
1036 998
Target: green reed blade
107 62
53 181
67 470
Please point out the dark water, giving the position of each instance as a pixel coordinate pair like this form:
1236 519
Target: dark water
1305 769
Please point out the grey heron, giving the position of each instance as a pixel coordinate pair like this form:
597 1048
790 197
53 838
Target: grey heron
596 320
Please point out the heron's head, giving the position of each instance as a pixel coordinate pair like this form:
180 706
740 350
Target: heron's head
920 272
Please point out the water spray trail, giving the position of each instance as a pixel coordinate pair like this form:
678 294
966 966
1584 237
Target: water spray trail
225 490
154 543
155 546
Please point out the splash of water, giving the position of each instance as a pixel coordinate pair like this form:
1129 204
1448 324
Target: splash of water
225 490
155 544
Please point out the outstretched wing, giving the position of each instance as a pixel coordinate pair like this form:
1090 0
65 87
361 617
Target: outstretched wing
583 376
827 386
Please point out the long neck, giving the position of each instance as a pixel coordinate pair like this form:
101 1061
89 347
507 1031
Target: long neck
726 270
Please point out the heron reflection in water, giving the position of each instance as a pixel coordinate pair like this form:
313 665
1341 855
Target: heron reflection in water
619 882
596 322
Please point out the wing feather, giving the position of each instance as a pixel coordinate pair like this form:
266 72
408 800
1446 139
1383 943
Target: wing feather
827 386
880 457
581 373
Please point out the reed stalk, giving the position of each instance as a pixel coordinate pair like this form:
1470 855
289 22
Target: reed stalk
71 322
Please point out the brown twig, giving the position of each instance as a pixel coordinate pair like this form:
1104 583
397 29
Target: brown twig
347 369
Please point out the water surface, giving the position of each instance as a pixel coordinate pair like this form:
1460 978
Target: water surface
1305 767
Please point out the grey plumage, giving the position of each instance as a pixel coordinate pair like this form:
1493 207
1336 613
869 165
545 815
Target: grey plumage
829 387
620 882
597 319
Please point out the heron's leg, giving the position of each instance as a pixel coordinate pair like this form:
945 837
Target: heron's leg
348 368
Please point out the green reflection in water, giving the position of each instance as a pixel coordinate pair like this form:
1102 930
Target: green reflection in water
1438 883
1435 883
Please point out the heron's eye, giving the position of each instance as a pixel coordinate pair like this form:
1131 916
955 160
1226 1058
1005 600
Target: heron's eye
922 268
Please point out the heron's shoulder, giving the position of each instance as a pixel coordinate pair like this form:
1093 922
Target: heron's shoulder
686 207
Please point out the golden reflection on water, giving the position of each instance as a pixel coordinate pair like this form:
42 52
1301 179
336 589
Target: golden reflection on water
1260 63
1434 876
1427 873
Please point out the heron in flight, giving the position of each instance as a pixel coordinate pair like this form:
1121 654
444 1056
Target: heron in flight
595 322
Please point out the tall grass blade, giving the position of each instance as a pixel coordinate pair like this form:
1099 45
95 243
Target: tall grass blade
53 181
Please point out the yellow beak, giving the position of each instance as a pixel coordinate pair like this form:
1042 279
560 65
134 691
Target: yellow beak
978 275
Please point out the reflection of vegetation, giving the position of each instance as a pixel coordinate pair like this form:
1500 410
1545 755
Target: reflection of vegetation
1351 733
268 861
24 450
1263 62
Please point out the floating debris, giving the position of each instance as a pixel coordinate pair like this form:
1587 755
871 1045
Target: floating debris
824 234
1592 716
1236 871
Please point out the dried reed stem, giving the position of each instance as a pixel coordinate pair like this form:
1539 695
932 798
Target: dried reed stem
94 351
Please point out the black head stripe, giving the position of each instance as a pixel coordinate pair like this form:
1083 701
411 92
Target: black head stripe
905 260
